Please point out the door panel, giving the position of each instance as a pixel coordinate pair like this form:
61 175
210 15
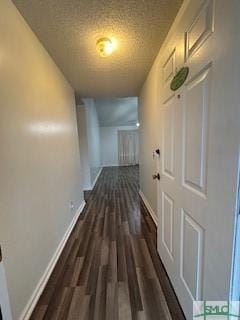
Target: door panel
169 68
200 29
167 223
169 137
191 256
195 123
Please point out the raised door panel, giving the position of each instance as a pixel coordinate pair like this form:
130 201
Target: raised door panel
169 68
200 29
191 256
195 128
167 223
169 138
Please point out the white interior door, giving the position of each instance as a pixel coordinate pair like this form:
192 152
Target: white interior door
199 144
128 147
4 300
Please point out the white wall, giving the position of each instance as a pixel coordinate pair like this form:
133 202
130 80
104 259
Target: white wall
109 144
114 112
83 145
40 166
93 138
148 138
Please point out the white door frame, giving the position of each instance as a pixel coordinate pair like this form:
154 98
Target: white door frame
4 298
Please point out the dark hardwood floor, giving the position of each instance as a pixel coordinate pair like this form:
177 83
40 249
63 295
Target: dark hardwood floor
110 268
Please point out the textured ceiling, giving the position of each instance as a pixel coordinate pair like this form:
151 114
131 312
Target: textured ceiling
69 30
113 112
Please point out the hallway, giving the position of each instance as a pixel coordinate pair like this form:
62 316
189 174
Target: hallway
120 159
110 268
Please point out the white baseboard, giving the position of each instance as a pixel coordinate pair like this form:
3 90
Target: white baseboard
94 182
110 165
119 165
87 189
150 210
97 176
26 314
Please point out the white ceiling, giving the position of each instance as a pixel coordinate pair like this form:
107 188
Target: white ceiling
69 30
114 112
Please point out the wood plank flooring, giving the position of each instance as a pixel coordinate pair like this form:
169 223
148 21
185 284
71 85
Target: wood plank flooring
110 269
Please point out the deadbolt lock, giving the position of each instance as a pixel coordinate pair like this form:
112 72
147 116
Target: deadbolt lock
156 176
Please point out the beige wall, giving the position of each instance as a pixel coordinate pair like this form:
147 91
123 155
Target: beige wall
83 145
149 136
40 165
93 138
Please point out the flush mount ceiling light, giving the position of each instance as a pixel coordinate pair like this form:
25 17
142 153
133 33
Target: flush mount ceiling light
104 47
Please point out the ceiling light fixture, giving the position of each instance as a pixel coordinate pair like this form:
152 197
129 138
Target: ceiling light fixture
137 124
104 47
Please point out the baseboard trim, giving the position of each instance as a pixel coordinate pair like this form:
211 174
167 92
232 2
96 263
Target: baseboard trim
94 182
110 165
119 165
87 189
26 314
149 208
